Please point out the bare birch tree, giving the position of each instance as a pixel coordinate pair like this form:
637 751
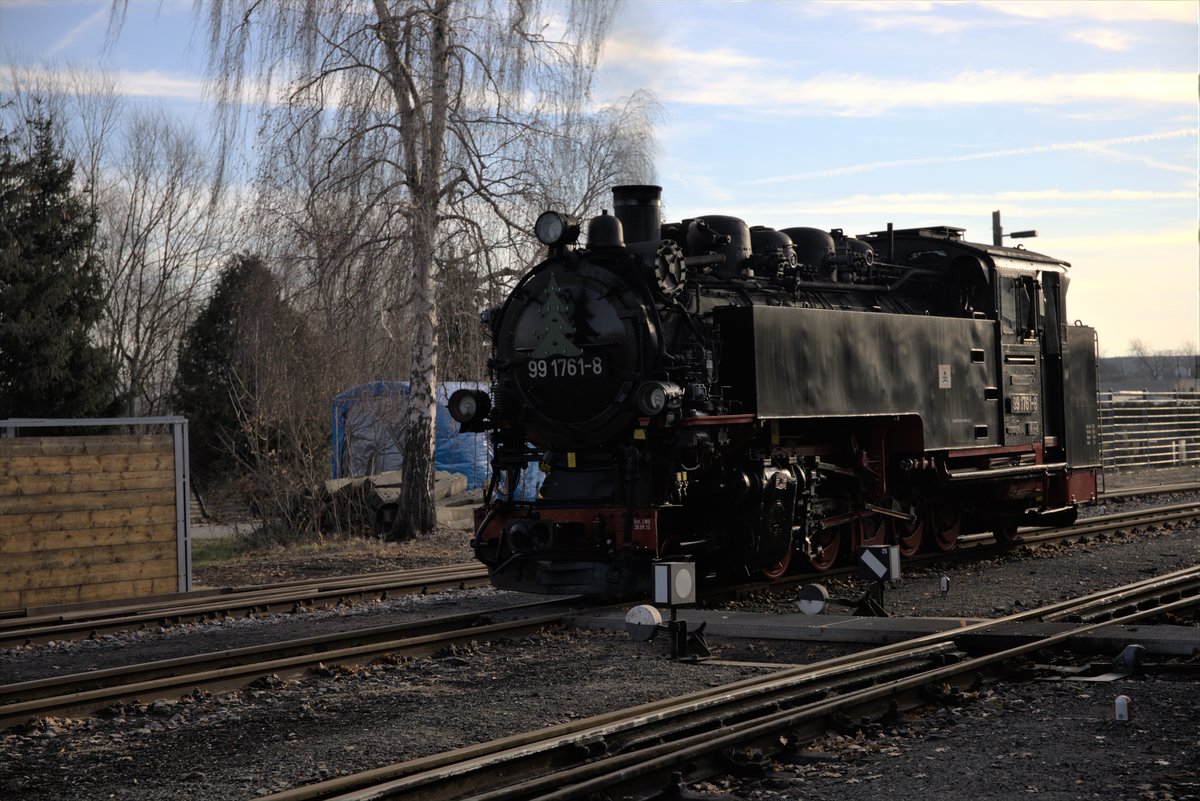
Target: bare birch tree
317 214
148 182
161 248
596 152
444 100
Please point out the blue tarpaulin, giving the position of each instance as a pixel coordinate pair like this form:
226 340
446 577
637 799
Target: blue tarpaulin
367 425
368 421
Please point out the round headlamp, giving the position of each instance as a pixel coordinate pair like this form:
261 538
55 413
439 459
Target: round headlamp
466 405
654 397
553 228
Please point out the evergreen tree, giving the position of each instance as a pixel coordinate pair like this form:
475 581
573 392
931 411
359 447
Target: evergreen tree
554 337
205 389
51 287
235 360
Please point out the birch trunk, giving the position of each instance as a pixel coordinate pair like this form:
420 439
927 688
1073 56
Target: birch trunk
417 515
423 134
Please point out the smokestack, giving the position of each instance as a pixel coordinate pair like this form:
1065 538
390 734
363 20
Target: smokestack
639 208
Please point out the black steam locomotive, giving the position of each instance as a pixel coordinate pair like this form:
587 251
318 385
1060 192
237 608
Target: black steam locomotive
755 400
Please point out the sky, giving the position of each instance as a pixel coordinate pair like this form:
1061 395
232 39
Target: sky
1077 119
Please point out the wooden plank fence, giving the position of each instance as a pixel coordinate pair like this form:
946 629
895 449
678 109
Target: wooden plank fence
89 518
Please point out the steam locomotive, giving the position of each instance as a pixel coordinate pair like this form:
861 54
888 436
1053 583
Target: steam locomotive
758 400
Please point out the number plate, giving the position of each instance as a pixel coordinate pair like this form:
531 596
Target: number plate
566 367
1022 404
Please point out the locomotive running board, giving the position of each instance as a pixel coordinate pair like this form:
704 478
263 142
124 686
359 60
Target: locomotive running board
1006 472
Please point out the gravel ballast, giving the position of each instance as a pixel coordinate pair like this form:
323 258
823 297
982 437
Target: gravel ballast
1050 739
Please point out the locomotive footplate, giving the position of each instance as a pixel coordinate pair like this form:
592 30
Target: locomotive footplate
573 529
604 550
611 579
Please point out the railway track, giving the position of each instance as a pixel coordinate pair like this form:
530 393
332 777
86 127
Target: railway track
232 669
299 595
293 596
27 627
654 748
1156 489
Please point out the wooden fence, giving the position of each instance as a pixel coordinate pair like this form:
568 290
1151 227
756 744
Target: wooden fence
89 518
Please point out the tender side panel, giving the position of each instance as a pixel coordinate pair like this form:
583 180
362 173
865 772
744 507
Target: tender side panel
86 518
1083 409
782 362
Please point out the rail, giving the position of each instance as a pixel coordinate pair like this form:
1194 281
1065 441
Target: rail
82 693
89 620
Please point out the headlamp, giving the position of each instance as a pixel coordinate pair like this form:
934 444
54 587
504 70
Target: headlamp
654 397
466 405
554 229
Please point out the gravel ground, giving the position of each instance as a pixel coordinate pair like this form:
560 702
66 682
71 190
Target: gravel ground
279 734
336 558
1045 740
1051 739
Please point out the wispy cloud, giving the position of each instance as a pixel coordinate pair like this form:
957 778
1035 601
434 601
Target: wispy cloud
136 84
1103 38
910 207
914 16
1104 10
157 84
1180 238
935 16
868 96
68 39
1045 202
148 83
733 79
1098 146
1092 194
903 199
